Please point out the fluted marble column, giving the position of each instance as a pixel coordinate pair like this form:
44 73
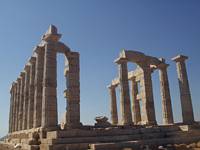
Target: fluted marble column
186 101
17 104
73 91
148 108
113 104
49 98
136 115
165 94
124 91
38 87
11 107
21 103
26 96
32 62
14 107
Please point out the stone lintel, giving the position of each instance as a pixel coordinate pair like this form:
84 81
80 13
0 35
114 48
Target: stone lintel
179 58
131 75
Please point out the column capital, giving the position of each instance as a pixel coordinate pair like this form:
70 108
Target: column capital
179 58
18 79
12 86
133 78
22 74
163 66
51 35
38 49
121 60
73 54
32 60
110 86
27 67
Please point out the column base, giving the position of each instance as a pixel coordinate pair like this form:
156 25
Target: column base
72 126
151 123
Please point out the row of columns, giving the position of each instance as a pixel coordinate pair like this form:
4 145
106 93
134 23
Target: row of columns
148 110
22 99
33 100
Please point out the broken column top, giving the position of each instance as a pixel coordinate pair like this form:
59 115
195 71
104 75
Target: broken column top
51 34
180 58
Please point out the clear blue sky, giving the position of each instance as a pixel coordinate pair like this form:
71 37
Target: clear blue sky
98 30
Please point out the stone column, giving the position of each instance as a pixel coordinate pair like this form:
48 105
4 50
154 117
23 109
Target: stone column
38 87
135 102
17 103
14 107
11 107
49 98
31 93
113 105
186 101
21 103
165 94
26 96
148 102
124 89
73 91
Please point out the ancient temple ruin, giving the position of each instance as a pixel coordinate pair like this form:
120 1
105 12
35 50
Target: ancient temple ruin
33 119
141 77
33 94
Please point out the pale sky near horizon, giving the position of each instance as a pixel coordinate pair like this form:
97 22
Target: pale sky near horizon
99 30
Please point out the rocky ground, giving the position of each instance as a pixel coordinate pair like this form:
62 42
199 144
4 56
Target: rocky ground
5 147
192 146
